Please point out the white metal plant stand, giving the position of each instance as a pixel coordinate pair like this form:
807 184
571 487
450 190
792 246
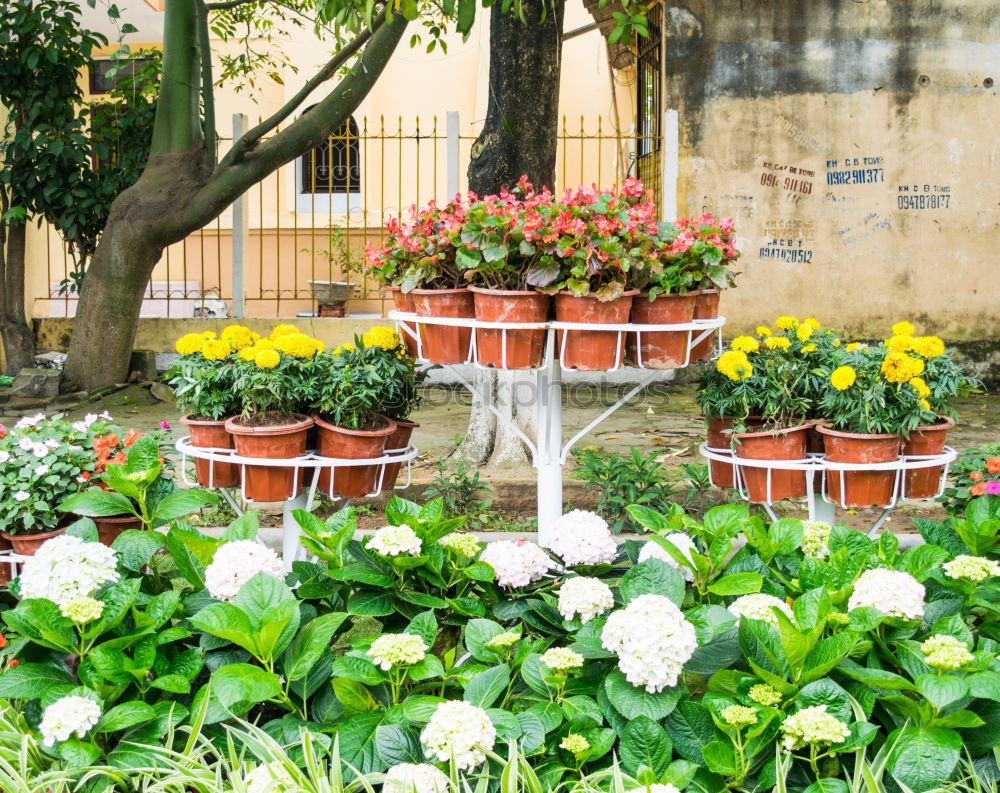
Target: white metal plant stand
548 452
817 470
303 495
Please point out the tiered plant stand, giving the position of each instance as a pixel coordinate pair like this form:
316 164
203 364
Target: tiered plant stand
549 453
303 495
818 472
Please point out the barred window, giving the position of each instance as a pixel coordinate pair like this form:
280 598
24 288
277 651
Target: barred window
334 168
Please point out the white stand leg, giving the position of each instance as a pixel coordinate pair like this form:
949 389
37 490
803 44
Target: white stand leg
291 531
548 460
820 510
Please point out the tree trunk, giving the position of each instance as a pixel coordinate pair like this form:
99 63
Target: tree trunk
518 138
18 339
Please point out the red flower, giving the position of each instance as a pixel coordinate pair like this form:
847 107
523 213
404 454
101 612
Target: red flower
3 641
130 437
978 490
993 465
14 663
975 476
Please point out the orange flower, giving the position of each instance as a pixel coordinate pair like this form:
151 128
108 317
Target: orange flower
119 459
14 663
106 442
993 465
975 476
978 490
131 437
3 641
85 476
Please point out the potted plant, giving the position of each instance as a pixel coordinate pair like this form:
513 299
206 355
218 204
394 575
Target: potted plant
870 405
419 258
42 461
753 395
202 379
383 268
132 490
347 407
275 379
503 252
941 381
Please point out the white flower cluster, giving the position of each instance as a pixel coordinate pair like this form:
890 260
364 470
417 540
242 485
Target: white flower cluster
90 418
562 659
813 725
66 716
892 592
415 778
270 777
760 607
682 543
461 542
765 695
971 568
739 716
235 563
652 640
397 649
574 743
82 609
517 563
66 568
504 640
581 537
460 730
394 541
815 539
588 597
945 653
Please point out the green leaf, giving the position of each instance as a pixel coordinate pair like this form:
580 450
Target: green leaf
425 626
356 739
78 753
632 701
534 672
227 622
645 743
238 687
42 622
653 576
354 697
942 691
924 758
128 714
826 692
181 503
920 560
358 669
737 584
32 681
309 644
187 563
485 688
397 744
370 604
136 547
97 503
245 527
477 633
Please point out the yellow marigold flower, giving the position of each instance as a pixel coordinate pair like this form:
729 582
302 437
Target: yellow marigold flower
298 345
784 323
777 343
843 377
928 346
920 386
283 330
917 366
208 334
925 405
190 343
763 330
239 337
264 344
809 348
854 345
836 342
249 353
383 337
812 323
734 365
803 332
745 344
898 367
345 347
216 349
903 329
267 359
320 346
900 343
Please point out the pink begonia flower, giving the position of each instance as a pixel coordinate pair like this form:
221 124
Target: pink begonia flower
993 488
164 425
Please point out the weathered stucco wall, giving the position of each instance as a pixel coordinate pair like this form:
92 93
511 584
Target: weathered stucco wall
857 145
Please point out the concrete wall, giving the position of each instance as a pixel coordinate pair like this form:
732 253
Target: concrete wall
856 145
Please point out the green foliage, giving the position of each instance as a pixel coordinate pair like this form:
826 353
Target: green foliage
462 493
204 389
972 468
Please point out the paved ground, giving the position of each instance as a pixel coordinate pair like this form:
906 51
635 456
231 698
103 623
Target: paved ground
666 420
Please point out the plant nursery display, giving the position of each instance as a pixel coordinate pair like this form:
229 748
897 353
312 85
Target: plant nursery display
717 655
975 475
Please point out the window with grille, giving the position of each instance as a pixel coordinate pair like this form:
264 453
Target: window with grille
335 167
649 105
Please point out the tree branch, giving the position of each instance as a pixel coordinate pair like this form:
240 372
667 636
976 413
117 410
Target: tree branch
253 136
207 87
227 6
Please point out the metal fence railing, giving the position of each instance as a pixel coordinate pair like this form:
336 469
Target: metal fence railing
302 230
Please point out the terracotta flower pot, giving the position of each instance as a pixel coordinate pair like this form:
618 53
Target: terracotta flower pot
788 443
924 482
28 544
206 434
662 349
351 481
814 441
592 349
285 441
722 473
399 439
860 488
523 348
403 301
706 306
444 343
108 529
7 572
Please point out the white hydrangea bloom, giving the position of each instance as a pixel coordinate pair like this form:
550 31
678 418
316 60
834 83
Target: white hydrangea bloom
739 716
415 778
971 568
397 649
270 777
760 607
652 640
235 563
394 541
504 640
82 609
517 563
892 592
581 537
682 543
562 659
66 716
66 568
815 539
574 743
946 653
813 725
586 597
461 542
460 730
